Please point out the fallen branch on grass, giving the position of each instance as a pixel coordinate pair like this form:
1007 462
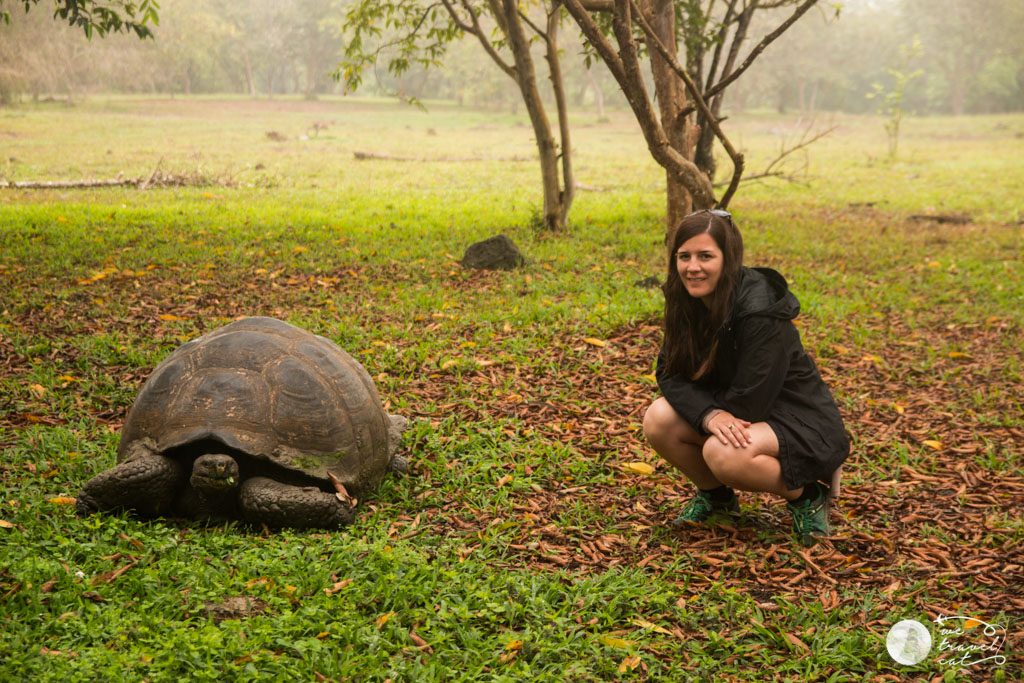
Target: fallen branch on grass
373 156
157 178
142 182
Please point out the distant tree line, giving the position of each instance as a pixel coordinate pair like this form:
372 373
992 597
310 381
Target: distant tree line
971 58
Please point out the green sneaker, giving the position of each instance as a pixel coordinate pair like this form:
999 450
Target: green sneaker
701 507
810 517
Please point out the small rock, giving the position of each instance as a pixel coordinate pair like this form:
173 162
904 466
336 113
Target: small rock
494 253
234 608
648 282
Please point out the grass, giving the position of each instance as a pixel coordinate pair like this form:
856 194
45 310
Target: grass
519 549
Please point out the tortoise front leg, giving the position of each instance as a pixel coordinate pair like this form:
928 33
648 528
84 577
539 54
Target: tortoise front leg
147 484
265 501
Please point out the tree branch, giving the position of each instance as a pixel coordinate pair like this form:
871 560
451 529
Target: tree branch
536 29
499 15
410 34
625 67
759 48
578 9
456 19
742 25
720 43
774 167
477 31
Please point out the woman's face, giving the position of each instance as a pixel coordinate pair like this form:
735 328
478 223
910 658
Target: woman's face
700 262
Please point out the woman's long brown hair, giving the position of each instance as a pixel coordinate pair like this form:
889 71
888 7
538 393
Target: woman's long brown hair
691 327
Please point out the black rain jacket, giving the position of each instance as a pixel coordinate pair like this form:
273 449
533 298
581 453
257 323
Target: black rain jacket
763 374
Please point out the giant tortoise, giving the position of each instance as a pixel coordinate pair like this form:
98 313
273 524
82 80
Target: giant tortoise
257 420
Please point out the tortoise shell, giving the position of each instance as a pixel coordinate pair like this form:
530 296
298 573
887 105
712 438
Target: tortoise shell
271 390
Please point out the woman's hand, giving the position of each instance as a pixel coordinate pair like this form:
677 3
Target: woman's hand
729 429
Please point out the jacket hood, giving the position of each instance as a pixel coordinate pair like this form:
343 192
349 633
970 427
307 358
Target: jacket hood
763 291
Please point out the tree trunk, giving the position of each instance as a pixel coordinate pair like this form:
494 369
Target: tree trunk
554 214
682 175
704 154
250 82
558 88
671 95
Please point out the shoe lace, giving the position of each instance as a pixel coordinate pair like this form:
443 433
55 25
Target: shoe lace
698 505
804 520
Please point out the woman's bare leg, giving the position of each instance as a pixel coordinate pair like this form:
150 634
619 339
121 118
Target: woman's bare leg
680 444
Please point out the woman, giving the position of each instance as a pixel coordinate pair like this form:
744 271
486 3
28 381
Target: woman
743 405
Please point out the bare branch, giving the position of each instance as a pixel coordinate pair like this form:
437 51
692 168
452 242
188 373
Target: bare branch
723 32
774 168
759 48
498 13
478 31
625 67
578 10
536 29
742 26
456 19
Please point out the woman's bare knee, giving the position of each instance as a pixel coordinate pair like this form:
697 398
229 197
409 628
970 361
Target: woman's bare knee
661 421
739 467
722 460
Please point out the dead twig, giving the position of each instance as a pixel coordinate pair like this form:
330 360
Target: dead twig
152 176
776 167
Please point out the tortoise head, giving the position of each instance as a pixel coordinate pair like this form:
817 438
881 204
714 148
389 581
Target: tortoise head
214 473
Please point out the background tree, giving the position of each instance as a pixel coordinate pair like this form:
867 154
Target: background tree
36 58
421 33
189 50
117 16
217 46
961 39
313 40
822 63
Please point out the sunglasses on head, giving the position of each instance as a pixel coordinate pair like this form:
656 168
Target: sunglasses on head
721 213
